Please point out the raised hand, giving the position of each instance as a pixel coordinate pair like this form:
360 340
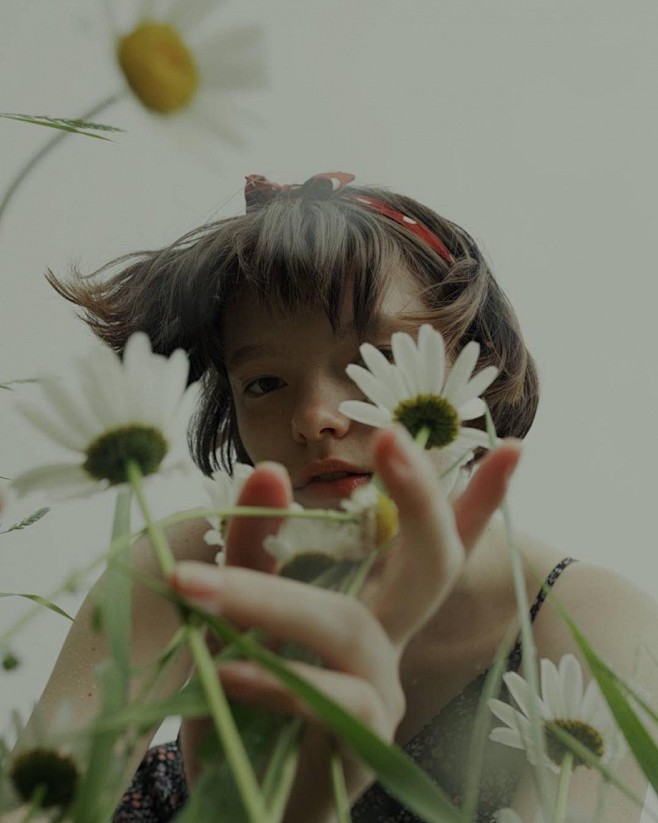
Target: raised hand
359 641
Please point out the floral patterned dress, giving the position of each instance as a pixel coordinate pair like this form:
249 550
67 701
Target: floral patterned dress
442 747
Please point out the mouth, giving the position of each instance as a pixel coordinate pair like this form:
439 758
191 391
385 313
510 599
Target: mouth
333 486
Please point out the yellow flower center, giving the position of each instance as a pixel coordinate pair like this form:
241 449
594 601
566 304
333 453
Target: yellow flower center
51 773
584 733
108 456
159 67
387 519
433 413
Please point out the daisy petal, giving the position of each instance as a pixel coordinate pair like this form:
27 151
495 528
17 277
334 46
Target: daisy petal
461 370
366 413
473 409
551 690
233 59
406 359
571 676
68 410
520 691
432 353
60 480
56 430
507 736
187 14
503 711
476 385
374 389
378 364
471 438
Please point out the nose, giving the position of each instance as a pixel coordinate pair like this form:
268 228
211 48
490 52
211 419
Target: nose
316 416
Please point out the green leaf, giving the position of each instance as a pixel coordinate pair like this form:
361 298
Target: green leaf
28 521
482 724
74 126
41 601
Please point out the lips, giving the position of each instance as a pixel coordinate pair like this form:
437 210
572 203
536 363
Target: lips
329 481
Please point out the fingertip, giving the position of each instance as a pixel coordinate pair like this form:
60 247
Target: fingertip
275 469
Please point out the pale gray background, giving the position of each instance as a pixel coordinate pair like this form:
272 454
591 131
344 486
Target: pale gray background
533 124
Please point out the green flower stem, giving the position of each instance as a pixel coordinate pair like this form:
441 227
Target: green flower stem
529 660
47 148
35 803
563 788
163 553
218 705
341 798
258 511
422 437
226 728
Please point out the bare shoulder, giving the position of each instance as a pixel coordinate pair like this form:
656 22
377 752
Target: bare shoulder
617 617
186 542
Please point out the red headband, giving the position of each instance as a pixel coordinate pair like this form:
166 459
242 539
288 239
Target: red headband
258 191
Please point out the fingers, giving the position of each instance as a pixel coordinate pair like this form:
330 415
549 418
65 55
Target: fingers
435 537
336 627
248 682
485 491
420 572
268 486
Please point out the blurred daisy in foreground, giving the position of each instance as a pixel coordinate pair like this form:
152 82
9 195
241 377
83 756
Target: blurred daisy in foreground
47 763
131 410
414 391
330 541
181 68
583 713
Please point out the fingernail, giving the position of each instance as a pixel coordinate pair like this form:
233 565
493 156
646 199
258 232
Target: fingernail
197 583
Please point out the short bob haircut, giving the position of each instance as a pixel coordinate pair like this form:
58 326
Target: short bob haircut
296 250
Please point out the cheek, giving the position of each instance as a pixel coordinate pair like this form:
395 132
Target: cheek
263 435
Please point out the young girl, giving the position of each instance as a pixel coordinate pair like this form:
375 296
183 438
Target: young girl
272 306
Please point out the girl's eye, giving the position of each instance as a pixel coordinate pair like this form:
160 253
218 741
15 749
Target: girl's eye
262 385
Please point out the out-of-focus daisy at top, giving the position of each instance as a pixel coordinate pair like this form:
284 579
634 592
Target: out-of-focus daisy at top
134 409
181 67
414 390
564 702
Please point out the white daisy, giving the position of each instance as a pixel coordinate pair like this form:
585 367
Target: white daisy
49 758
414 390
336 541
130 410
583 713
223 490
177 63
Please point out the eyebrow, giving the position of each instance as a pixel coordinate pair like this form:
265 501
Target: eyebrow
245 353
379 325
386 325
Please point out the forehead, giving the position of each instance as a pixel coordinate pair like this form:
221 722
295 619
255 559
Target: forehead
248 321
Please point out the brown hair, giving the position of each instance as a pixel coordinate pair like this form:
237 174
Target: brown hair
296 250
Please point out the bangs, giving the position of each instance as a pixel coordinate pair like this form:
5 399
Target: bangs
308 252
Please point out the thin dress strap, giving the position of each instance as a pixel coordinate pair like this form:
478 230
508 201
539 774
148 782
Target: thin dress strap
514 658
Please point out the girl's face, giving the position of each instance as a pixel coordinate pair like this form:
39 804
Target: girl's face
287 376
